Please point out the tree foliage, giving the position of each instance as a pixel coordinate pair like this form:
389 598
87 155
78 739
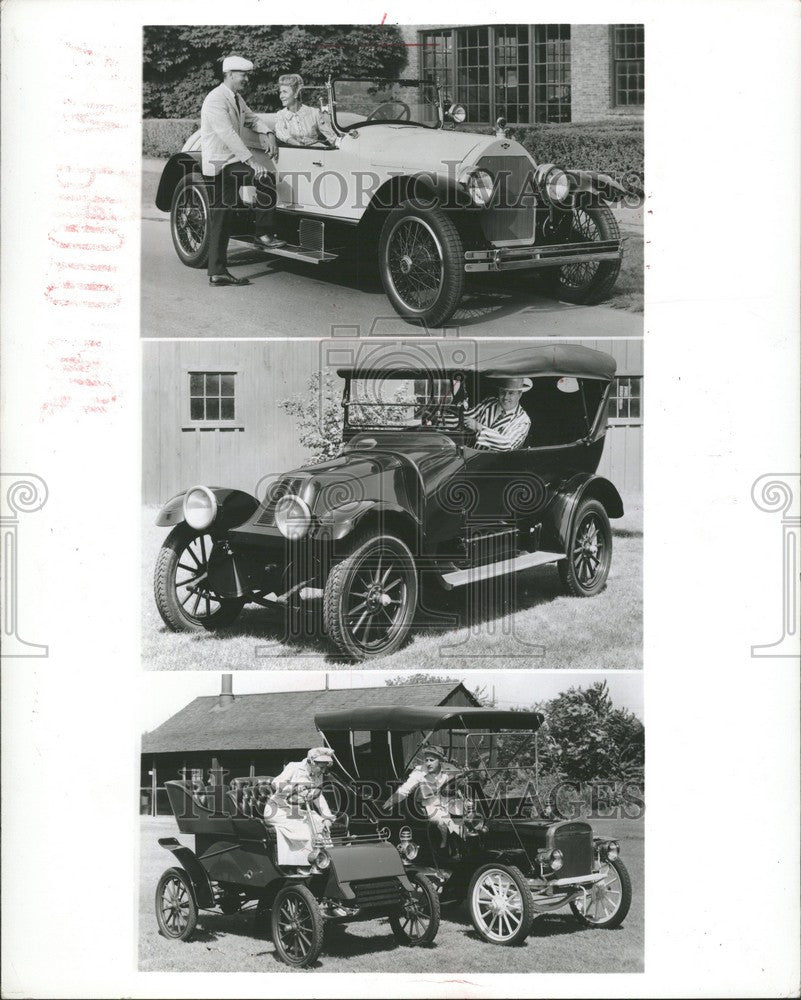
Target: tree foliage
182 62
318 414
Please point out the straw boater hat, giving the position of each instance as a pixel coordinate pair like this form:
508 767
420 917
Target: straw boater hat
518 383
233 63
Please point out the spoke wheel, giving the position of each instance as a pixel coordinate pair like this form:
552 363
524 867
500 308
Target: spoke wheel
607 902
176 909
501 906
189 222
585 569
370 598
297 926
184 598
418 922
588 282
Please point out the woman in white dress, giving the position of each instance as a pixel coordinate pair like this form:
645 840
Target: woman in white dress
429 777
297 809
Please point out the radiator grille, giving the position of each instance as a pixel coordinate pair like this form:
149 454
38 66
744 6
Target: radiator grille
274 494
515 217
574 840
386 893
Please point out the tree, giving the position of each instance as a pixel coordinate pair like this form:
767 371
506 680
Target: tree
480 693
318 414
182 62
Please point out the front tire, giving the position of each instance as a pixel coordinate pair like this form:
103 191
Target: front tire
189 221
590 282
297 926
585 568
608 901
421 258
176 909
184 599
370 598
418 922
500 903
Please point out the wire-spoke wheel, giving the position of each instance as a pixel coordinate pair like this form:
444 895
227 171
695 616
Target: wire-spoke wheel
370 597
588 282
422 265
184 598
418 922
189 221
501 906
606 903
585 569
297 926
176 909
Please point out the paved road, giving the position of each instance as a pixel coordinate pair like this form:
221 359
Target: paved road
289 299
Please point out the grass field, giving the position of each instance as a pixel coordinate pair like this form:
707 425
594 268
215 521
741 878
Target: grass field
541 628
556 944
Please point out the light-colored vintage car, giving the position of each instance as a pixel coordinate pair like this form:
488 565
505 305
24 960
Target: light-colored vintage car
431 203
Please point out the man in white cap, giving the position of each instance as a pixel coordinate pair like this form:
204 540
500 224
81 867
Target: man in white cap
228 160
297 809
501 423
428 779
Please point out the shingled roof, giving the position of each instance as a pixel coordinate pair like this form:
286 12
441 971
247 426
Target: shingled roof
279 720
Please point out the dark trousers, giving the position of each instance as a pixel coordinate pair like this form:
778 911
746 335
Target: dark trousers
225 198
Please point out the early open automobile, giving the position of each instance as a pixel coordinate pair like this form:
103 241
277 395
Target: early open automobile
409 496
349 877
430 203
505 861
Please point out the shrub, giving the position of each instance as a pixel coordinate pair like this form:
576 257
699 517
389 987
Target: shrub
165 136
609 148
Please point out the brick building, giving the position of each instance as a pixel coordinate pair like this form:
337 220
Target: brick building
534 73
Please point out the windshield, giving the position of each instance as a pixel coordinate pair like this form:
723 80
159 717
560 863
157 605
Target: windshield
370 102
401 402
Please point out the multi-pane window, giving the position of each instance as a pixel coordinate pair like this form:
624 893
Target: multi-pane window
437 61
512 72
552 73
625 403
212 396
628 56
472 72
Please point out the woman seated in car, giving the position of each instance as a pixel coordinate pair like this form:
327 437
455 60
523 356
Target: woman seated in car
430 777
298 124
297 809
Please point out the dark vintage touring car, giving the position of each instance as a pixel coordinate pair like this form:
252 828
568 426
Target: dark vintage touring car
409 496
431 204
508 863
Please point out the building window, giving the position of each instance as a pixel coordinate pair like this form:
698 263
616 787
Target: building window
511 81
625 403
438 64
628 64
472 72
552 73
212 396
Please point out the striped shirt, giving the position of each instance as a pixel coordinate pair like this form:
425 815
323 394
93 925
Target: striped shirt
500 431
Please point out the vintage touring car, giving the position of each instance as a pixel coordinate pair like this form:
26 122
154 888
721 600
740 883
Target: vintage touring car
234 867
507 864
433 204
410 495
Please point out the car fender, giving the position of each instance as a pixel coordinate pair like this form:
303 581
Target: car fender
175 169
559 515
234 507
598 186
196 873
340 522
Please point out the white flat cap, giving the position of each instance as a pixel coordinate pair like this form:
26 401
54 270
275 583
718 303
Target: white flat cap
231 63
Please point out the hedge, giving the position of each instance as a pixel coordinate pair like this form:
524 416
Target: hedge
165 136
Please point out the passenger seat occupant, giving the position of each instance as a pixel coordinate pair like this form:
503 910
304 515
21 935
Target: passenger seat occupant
500 423
296 827
429 777
296 123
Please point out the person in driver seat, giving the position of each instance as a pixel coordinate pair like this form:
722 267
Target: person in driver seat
429 777
298 124
300 785
501 423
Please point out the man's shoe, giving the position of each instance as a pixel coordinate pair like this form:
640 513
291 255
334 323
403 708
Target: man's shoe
270 242
227 279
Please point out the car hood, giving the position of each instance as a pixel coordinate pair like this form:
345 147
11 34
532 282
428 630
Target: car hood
443 152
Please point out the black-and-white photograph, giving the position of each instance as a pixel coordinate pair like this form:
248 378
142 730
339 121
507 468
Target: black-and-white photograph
399 502
484 176
379 823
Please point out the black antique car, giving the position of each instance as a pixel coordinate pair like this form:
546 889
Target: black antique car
409 497
348 878
506 862
431 205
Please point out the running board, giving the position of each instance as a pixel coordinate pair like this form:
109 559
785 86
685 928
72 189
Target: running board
461 577
294 252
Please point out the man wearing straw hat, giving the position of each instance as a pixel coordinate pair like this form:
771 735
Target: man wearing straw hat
501 423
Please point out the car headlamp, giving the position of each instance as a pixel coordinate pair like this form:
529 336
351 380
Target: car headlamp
408 850
612 850
457 113
200 507
292 517
557 859
319 858
554 184
479 184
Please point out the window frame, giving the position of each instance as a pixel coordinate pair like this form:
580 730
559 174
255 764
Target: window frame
613 62
626 421
187 423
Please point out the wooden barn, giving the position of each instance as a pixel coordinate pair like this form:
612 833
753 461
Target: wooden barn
212 410
260 733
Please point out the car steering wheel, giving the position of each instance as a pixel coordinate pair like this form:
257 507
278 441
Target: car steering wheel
383 111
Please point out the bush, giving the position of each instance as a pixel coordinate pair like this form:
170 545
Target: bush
165 136
615 149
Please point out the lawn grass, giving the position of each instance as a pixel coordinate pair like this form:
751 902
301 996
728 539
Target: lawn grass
556 944
538 628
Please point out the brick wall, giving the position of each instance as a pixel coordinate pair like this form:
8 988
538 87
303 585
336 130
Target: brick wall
591 73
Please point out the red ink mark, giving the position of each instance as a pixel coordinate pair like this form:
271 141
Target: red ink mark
51 294
66 231
383 18
81 366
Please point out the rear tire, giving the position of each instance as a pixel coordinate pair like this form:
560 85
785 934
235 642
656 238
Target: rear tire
418 922
176 909
585 569
190 213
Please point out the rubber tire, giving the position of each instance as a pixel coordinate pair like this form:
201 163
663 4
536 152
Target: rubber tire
433 904
601 284
201 257
172 614
520 881
567 573
189 930
452 263
620 915
334 594
317 925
